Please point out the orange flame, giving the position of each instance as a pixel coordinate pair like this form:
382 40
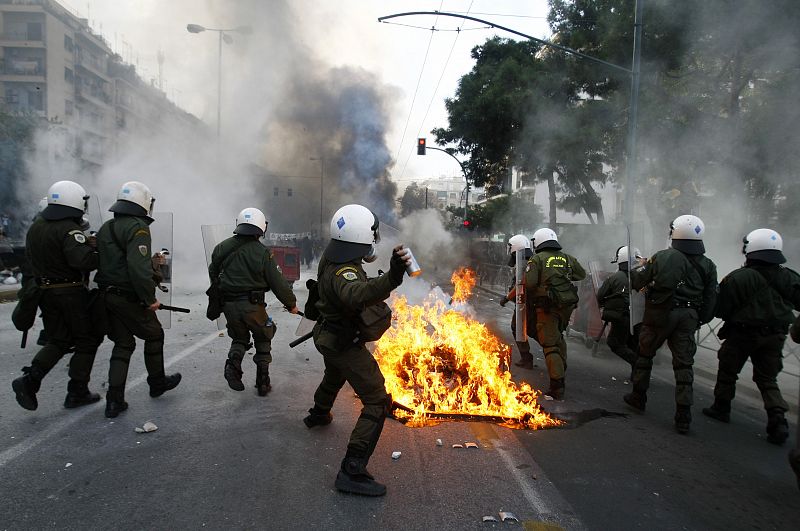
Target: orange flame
438 360
463 281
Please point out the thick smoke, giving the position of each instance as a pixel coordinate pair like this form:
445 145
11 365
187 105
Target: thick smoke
281 107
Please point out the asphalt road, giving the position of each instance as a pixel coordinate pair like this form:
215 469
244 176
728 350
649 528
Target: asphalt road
222 459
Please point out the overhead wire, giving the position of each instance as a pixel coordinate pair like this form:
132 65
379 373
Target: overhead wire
419 79
436 90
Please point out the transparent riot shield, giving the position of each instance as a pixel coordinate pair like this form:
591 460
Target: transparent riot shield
95 218
636 297
213 235
163 253
520 307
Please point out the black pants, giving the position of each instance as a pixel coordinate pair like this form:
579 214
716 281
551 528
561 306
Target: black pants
622 342
65 314
127 320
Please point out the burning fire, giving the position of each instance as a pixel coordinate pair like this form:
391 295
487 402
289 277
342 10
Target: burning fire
463 281
439 363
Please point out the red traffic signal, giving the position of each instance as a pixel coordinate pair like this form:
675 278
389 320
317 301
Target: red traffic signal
467 223
420 146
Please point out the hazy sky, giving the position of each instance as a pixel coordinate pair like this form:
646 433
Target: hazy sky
337 33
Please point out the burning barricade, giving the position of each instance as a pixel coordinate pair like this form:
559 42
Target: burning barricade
439 363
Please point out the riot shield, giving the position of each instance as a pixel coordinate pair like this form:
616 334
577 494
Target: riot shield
213 235
520 306
161 233
95 218
636 299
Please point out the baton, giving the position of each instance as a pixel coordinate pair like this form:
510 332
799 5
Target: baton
173 308
301 339
24 339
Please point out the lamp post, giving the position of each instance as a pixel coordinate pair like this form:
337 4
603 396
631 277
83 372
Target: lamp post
224 35
321 189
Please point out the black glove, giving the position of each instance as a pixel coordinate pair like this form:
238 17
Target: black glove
397 266
504 301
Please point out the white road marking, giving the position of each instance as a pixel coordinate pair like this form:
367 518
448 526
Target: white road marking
540 492
30 443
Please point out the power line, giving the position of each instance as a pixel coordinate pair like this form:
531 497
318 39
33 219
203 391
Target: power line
419 79
436 90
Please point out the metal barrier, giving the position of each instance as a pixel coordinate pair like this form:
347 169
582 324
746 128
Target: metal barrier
501 277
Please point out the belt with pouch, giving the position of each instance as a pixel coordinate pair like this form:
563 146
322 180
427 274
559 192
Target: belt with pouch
55 283
120 292
254 297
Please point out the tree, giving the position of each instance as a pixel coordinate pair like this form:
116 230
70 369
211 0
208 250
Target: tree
414 198
503 214
16 143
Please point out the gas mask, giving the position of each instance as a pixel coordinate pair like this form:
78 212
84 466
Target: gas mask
371 256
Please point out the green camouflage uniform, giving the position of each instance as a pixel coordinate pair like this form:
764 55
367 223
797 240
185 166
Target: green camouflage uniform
246 271
344 291
681 293
756 303
60 260
125 274
547 317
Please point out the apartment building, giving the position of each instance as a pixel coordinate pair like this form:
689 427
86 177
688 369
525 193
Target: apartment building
449 191
52 64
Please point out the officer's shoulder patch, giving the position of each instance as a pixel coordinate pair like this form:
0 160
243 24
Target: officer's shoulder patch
79 237
142 232
143 250
348 273
527 268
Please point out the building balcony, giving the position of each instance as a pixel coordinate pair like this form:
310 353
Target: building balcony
22 39
93 67
93 95
22 71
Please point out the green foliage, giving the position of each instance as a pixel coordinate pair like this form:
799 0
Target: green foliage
16 141
413 199
503 214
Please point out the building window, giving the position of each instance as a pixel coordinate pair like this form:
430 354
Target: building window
34 31
69 77
275 191
289 192
69 107
68 46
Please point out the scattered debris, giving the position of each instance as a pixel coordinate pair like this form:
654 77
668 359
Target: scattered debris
614 378
458 445
439 442
146 428
489 518
396 455
222 334
470 445
68 465
506 516
657 494
547 397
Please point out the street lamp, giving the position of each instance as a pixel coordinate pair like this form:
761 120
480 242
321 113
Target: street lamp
224 35
321 184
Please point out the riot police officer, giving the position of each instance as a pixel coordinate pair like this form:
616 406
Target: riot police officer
60 257
246 271
518 243
551 297
756 303
681 292
125 275
345 295
614 298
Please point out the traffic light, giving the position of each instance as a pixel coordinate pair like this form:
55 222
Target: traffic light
467 224
420 146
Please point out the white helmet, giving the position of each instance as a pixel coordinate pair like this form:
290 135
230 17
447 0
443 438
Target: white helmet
65 199
622 255
686 233
765 245
251 222
517 242
545 239
134 198
354 232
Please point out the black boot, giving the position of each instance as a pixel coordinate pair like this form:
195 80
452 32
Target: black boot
115 401
233 374
78 395
557 389
636 400
317 417
161 384
683 418
719 410
354 478
26 386
262 379
777 427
